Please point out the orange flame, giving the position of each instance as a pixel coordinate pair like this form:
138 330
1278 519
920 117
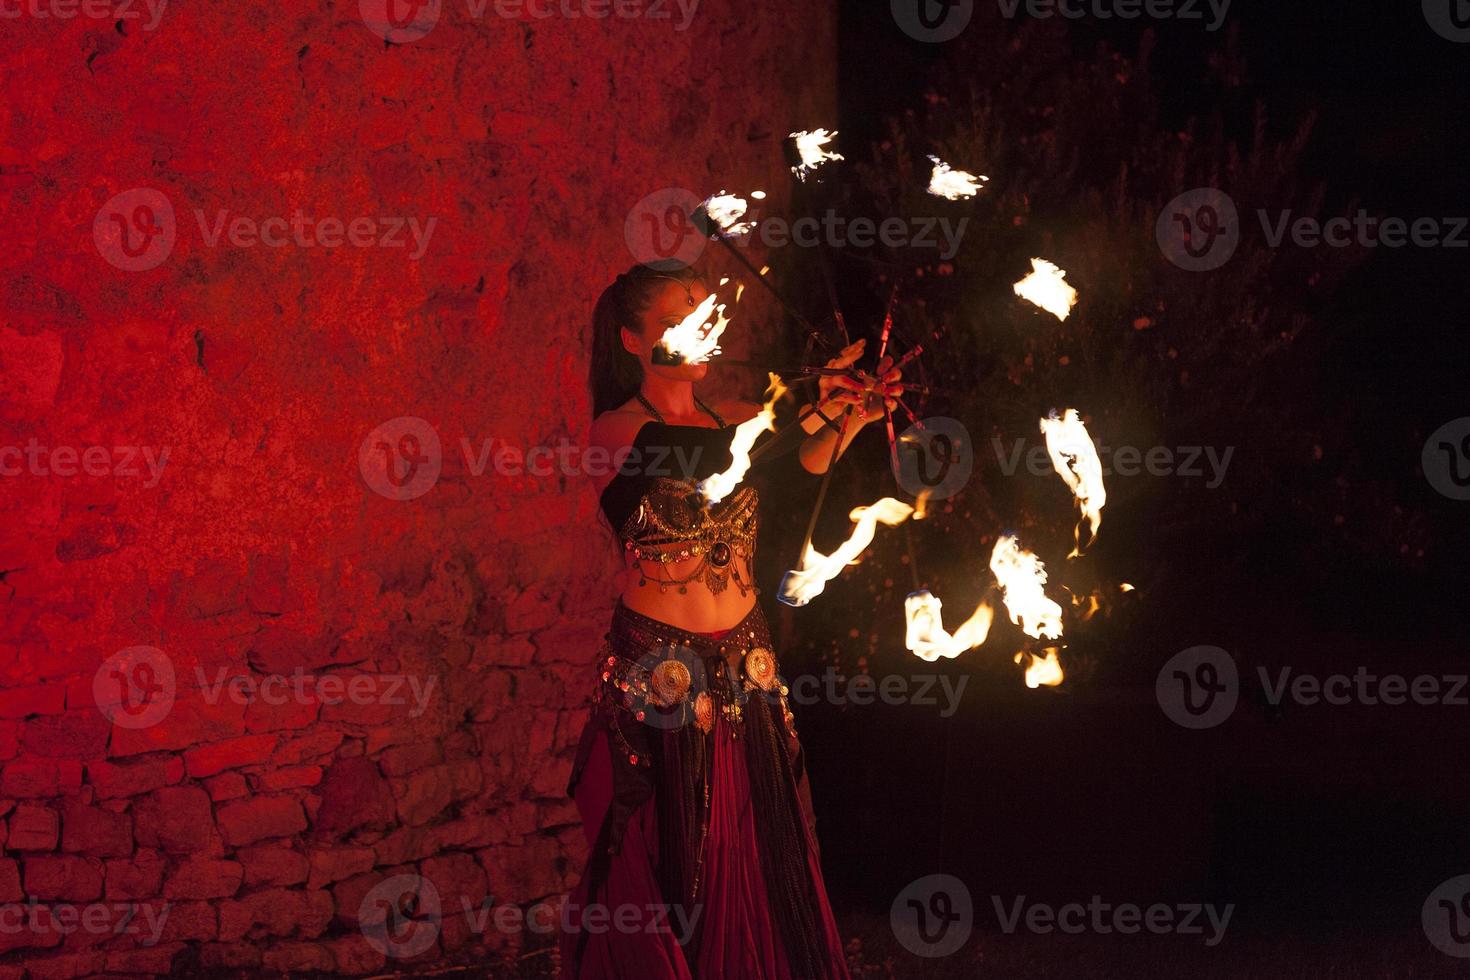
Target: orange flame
926 637
802 585
717 487
1047 287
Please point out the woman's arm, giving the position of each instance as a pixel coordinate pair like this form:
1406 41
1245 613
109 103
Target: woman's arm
846 405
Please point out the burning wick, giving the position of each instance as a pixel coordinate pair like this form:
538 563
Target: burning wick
953 184
726 210
696 338
1047 287
802 585
810 147
716 488
926 637
1075 459
1042 671
1022 576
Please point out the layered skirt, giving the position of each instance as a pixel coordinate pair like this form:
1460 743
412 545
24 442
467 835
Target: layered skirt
693 793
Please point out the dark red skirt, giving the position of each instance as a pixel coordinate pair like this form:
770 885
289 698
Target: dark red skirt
693 793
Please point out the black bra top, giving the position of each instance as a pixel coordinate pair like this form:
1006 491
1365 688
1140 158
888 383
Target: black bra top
686 453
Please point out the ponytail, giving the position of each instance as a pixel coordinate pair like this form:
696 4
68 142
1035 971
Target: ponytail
615 375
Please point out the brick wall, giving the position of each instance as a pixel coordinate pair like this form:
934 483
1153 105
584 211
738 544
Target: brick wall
243 681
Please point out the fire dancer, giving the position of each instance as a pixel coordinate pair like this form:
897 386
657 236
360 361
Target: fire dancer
689 777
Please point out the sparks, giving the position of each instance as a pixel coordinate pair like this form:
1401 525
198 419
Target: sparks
926 637
696 338
811 147
1075 459
802 585
1047 287
717 487
953 184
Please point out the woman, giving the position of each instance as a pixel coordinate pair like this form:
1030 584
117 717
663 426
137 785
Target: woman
689 777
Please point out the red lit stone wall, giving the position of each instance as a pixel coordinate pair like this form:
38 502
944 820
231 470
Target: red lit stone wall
243 677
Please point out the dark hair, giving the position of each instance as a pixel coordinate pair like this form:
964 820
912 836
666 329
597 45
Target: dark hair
615 375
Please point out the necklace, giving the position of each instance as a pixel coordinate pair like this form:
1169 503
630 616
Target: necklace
657 417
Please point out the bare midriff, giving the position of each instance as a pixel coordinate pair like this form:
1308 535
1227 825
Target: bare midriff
697 609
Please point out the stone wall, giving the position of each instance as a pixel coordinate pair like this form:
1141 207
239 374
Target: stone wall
250 687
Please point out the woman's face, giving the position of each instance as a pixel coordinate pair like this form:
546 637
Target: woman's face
669 305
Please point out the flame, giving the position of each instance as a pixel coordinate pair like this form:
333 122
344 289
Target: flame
1047 287
1074 457
927 638
1042 671
696 338
953 184
811 147
921 504
717 487
802 585
726 210
1021 576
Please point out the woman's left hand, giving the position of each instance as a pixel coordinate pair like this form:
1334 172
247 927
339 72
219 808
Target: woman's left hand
870 394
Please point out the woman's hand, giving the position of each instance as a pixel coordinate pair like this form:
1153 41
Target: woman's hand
870 394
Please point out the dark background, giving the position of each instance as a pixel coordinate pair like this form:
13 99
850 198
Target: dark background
1316 821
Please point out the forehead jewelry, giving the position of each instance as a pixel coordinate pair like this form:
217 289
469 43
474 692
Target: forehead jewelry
688 286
